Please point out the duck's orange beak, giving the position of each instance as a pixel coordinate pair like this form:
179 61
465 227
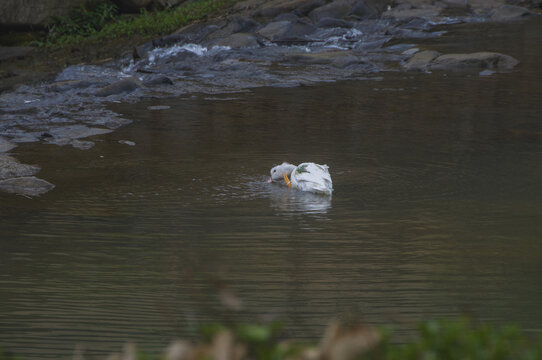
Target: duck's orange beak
286 180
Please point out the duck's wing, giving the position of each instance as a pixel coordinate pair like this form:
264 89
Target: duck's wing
313 177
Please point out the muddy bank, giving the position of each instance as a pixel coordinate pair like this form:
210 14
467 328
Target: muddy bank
263 43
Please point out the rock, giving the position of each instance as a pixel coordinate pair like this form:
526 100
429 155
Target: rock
168 40
287 31
421 60
28 186
400 13
126 85
363 11
5 145
140 51
11 167
69 135
336 9
82 144
158 107
272 8
479 60
339 59
306 8
235 25
333 23
15 13
63 86
160 80
238 40
127 142
509 12
17 52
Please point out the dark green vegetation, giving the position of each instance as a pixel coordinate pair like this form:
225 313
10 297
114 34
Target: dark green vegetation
99 20
443 340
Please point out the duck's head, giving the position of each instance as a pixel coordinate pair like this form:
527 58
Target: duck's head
277 172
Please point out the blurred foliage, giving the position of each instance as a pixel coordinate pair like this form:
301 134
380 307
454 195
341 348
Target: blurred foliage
435 340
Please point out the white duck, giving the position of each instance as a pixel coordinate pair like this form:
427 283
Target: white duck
306 177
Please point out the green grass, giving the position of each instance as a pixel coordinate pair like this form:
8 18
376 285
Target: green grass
98 21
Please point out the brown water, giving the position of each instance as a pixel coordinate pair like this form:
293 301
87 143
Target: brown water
436 211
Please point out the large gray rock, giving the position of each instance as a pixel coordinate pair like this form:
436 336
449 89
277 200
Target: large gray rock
11 167
337 9
28 186
421 60
286 30
510 12
479 60
34 12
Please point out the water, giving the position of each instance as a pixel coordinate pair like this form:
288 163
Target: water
436 211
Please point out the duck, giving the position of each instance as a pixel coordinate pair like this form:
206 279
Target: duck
306 176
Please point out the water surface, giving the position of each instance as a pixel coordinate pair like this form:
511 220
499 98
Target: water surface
436 211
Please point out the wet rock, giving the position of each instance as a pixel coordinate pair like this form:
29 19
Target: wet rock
28 186
119 87
82 144
333 23
63 86
509 12
363 11
421 60
401 13
235 25
168 40
160 80
140 51
18 52
270 9
11 167
339 59
306 8
238 40
5 145
479 60
336 9
127 142
286 30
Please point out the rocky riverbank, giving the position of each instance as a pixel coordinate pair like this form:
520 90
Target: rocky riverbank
259 43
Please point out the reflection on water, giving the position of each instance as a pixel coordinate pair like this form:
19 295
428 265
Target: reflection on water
435 212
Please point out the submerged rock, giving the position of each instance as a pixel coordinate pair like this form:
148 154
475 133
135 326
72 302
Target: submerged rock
28 186
11 167
478 60
6 145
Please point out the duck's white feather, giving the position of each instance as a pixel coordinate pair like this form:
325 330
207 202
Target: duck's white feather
306 177
312 177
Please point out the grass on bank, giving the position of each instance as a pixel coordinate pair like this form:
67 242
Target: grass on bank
435 340
99 20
